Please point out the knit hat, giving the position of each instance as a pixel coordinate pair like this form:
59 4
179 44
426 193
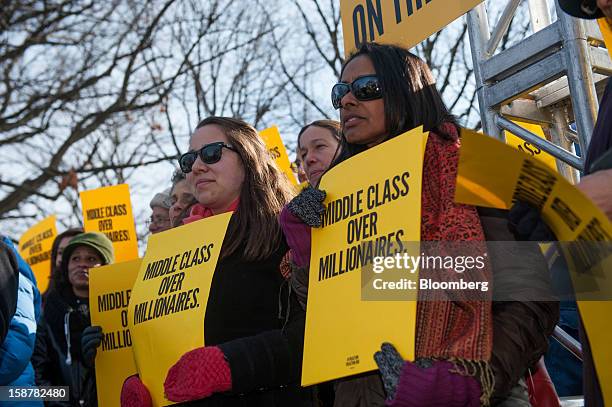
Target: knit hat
95 240
161 199
586 9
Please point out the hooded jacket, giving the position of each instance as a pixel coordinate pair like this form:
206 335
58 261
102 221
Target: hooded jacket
9 280
18 346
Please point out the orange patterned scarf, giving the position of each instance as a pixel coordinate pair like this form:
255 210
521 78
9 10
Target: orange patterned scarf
461 329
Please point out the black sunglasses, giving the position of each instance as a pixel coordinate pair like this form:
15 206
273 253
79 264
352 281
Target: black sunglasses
209 154
363 88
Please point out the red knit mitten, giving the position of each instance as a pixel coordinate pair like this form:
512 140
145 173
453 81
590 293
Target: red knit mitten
134 393
198 374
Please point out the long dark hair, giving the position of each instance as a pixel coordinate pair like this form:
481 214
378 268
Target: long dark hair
254 228
410 96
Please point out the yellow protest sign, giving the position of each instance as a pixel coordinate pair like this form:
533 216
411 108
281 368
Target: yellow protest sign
404 23
278 152
373 205
109 210
170 297
528 148
110 288
502 175
606 32
35 247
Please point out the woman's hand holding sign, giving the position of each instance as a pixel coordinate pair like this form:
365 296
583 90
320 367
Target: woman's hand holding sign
135 394
198 374
425 382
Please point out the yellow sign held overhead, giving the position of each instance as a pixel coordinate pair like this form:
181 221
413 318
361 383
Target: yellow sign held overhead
399 22
35 248
169 298
109 210
110 288
502 175
272 138
370 211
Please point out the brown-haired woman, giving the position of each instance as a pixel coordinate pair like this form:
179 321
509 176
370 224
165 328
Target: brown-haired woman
229 169
317 146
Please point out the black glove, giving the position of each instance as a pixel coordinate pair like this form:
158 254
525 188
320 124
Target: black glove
525 223
90 340
308 206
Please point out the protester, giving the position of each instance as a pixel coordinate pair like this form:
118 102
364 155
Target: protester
317 145
246 356
298 170
57 356
181 199
386 91
9 282
160 218
57 249
17 348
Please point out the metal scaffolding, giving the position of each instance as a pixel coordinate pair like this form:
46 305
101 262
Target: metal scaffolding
551 78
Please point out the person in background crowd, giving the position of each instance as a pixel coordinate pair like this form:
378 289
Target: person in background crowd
57 249
9 283
298 169
246 358
57 358
318 144
181 199
17 348
160 218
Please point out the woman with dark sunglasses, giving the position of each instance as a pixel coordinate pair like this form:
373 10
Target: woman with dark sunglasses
468 352
246 359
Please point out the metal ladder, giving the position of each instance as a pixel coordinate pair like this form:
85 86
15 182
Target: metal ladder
550 78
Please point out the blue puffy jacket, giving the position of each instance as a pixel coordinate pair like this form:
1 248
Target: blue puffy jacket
16 350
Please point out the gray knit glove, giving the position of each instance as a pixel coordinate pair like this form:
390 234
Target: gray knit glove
308 206
390 364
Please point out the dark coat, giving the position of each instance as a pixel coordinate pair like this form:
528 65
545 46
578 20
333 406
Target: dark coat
9 281
259 326
57 359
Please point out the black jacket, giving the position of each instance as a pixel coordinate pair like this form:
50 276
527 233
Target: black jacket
258 324
9 281
57 359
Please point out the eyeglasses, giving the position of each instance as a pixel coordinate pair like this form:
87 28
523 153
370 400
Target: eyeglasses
158 221
209 154
363 88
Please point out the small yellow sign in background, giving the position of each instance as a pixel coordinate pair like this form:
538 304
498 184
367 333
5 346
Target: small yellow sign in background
109 210
272 138
528 148
35 247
